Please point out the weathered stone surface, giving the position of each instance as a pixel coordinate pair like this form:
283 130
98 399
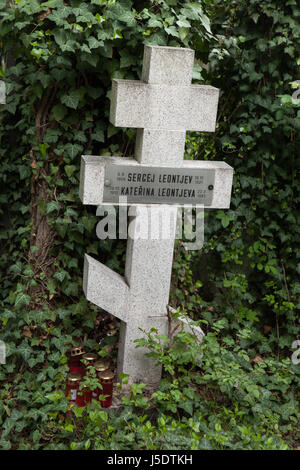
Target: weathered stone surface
148 272
133 360
105 288
92 179
164 99
178 108
149 288
2 93
168 144
167 65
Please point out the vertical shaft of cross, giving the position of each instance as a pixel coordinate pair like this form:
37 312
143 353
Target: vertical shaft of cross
148 273
164 67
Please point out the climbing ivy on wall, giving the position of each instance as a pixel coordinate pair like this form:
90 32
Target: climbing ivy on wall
248 270
255 245
58 61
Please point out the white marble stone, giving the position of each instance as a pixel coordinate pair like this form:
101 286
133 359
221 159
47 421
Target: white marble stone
177 108
92 179
105 288
168 144
168 65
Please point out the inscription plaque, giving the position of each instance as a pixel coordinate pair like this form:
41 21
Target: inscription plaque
158 185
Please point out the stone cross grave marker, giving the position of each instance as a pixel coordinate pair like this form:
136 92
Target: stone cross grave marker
2 92
162 106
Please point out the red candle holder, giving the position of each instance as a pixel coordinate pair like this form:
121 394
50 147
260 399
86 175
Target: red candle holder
81 397
100 366
74 363
106 379
91 358
88 396
73 380
73 392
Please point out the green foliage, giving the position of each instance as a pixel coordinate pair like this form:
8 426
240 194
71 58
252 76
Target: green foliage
221 393
248 269
209 398
58 60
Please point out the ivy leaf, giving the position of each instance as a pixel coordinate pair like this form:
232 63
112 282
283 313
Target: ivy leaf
94 43
122 13
69 169
59 112
155 22
187 406
183 22
53 4
112 130
21 300
103 416
80 308
95 93
85 17
51 286
60 36
127 60
24 171
85 48
71 289
5 445
60 275
73 150
98 136
72 99
106 50
91 59
52 206
172 31
25 350
29 6
205 22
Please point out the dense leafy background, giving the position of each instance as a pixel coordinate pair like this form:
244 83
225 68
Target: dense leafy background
58 60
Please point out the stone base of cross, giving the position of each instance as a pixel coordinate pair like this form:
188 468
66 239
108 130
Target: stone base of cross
162 106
